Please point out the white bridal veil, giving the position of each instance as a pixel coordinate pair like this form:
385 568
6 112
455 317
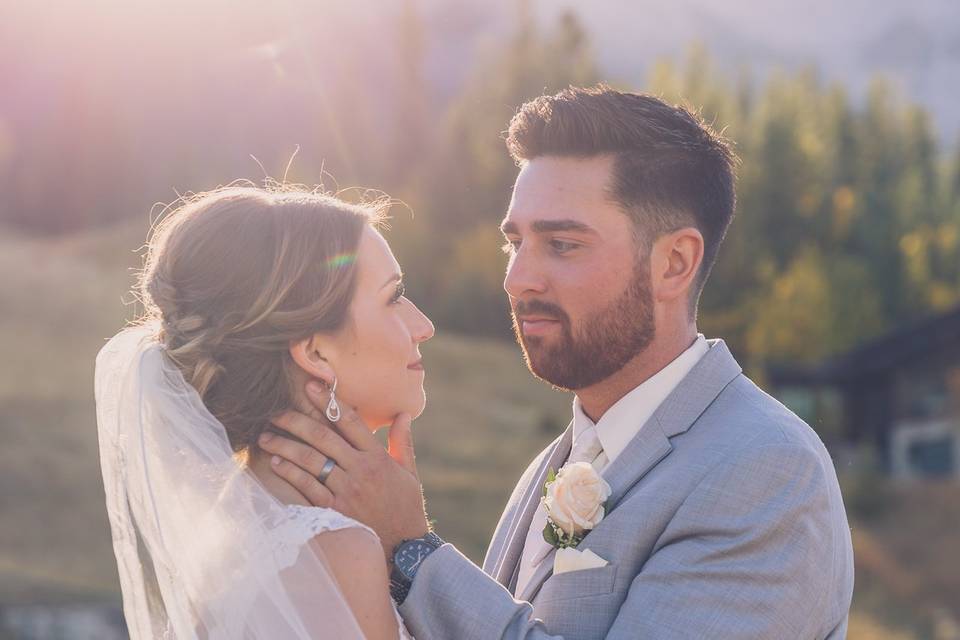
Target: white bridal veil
203 550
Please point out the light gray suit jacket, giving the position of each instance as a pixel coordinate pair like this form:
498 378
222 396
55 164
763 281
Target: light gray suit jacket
725 521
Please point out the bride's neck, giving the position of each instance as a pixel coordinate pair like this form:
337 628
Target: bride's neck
258 462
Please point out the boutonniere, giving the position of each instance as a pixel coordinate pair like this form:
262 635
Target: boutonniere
575 501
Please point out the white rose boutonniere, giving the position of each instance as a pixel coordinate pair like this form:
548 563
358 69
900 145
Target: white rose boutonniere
575 500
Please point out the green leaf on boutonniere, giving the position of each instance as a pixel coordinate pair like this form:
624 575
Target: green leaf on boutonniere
551 476
574 541
550 535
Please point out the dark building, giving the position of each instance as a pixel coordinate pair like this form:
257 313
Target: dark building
898 394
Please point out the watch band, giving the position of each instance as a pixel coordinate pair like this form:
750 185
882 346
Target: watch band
399 589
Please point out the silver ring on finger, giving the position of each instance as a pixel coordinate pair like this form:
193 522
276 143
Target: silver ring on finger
327 469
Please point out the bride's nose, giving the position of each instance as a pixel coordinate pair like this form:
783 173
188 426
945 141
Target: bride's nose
421 328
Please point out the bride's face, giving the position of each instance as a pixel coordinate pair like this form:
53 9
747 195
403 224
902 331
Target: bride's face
376 355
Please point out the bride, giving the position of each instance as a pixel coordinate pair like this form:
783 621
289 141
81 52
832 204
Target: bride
250 294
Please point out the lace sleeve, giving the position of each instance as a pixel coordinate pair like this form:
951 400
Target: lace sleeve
306 522
302 524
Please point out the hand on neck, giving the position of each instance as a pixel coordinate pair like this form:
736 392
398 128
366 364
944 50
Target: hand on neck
258 463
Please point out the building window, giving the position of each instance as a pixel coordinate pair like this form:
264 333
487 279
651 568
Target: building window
932 458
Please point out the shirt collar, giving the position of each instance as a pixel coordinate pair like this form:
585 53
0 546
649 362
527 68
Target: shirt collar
621 423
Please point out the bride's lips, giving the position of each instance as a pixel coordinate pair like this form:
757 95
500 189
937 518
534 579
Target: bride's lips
537 325
416 366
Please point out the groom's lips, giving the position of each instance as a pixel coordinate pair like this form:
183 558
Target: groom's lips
416 366
537 325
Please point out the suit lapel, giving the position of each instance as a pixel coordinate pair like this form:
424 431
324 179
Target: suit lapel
651 445
504 570
674 416
540 574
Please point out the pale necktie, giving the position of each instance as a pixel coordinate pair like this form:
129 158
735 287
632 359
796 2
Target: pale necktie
587 448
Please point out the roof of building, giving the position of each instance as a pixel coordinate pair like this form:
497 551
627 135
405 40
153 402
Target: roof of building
910 343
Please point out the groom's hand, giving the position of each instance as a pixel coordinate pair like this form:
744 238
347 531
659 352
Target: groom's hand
378 487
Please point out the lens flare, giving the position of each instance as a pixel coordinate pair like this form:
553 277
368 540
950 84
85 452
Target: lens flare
341 260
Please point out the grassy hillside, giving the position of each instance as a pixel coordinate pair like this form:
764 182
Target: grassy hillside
486 418
60 300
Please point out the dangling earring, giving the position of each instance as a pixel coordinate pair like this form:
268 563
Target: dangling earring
333 409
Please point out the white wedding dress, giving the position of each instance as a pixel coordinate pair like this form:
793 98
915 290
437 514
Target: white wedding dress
203 550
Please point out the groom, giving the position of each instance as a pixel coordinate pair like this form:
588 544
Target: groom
723 515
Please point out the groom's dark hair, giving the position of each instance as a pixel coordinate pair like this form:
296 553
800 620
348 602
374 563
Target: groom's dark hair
671 169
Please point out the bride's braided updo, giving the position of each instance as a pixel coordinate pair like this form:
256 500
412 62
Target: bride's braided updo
233 276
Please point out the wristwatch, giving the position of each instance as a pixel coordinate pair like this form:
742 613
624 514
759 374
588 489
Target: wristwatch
407 558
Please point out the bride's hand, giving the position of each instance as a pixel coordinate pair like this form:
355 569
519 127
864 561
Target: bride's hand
380 488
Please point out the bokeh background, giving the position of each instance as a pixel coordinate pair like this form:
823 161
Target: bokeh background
837 287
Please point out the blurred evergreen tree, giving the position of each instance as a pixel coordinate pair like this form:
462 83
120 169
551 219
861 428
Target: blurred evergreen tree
843 228
954 174
411 131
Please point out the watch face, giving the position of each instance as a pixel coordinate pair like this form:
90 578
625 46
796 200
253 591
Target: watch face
410 555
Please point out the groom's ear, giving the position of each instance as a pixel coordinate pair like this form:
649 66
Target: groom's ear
675 261
309 354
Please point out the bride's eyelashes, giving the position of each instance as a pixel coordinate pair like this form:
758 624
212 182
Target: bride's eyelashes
398 293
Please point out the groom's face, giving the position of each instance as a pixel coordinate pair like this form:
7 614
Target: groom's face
578 279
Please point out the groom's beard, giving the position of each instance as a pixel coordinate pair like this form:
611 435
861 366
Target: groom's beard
603 343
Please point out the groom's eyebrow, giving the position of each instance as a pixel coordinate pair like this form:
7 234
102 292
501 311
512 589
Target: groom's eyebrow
549 226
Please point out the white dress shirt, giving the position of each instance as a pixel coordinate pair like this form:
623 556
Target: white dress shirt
616 428
623 421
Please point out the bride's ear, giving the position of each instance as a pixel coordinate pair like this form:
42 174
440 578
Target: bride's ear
309 356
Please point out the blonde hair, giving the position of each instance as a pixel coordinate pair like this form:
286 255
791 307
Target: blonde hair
233 276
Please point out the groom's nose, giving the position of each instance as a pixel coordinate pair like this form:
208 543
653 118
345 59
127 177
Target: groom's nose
524 276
